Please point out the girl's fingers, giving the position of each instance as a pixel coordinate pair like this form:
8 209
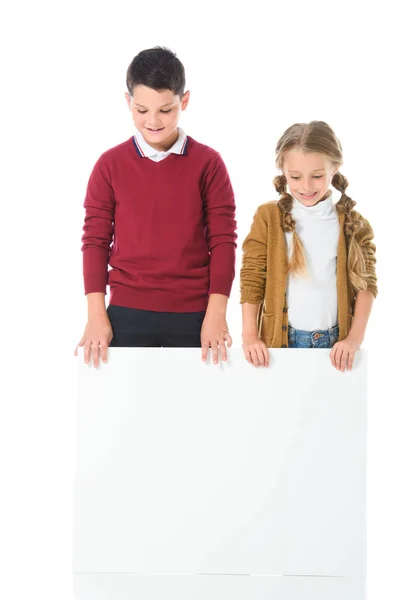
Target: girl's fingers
260 356
266 356
338 357
343 361
254 357
247 355
332 356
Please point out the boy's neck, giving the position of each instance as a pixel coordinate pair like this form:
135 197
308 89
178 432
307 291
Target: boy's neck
167 143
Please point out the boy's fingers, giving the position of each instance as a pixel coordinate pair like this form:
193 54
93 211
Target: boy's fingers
86 352
80 344
228 339
351 360
214 348
222 347
103 350
204 350
95 354
343 361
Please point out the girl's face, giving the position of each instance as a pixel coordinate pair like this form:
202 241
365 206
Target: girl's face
309 175
156 114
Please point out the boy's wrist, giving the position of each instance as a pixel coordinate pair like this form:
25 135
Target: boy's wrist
217 305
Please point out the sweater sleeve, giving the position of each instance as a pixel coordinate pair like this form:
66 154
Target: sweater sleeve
364 237
98 228
219 216
253 274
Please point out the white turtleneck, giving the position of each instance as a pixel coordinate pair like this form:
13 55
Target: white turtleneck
312 299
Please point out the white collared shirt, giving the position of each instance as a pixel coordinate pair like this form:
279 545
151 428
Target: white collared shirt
312 299
149 152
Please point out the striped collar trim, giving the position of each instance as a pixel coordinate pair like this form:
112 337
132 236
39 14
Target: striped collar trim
145 150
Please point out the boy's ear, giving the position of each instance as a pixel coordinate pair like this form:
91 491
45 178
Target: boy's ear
185 100
128 100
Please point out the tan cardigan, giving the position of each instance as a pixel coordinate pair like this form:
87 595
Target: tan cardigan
263 276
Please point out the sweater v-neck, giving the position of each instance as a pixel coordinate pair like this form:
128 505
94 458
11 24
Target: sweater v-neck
152 164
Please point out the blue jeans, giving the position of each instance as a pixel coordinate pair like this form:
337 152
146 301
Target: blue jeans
313 339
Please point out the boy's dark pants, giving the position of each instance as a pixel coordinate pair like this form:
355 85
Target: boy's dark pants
133 327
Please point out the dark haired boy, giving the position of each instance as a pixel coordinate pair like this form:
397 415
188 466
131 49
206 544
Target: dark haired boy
160 212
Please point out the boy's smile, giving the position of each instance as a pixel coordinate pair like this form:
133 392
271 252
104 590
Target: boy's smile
156 114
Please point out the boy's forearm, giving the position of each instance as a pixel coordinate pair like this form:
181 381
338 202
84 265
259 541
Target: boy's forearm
96 305
249 319
217 305
362 311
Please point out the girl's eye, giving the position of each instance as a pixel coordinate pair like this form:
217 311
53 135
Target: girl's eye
166 111
293 177
317 176
141 111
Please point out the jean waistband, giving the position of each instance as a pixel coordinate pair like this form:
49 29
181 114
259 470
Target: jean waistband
315 334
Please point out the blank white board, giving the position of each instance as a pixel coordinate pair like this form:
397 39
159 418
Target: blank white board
195 473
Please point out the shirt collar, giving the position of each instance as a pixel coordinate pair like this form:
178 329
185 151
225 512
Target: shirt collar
145 150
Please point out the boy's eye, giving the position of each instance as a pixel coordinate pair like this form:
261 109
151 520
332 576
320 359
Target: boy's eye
317 176
166 111
293 177
141 111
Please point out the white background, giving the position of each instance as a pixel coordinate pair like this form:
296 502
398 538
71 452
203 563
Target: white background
253 70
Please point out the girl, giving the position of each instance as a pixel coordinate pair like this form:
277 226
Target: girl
308 274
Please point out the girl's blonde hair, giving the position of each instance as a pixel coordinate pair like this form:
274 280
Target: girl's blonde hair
319 137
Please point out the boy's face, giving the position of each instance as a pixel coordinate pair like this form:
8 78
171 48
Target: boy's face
309 175
156 114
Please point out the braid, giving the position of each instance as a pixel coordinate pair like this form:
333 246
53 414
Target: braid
353 223
297 263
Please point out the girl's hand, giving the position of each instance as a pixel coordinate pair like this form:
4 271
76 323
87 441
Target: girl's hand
214 333
96 339
255 351
342 353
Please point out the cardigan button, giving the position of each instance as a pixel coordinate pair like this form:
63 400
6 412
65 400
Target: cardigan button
284 327
285 309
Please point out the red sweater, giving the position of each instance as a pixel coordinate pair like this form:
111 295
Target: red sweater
167 229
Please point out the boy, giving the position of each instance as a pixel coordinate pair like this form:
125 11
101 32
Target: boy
165 205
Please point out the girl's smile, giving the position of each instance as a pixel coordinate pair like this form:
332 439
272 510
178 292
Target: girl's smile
308 175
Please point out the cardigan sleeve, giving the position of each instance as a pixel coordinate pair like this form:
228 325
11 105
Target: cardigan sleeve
364 237
253 274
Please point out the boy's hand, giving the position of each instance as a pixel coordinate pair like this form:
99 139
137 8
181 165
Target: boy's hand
255 351
96 339
214 333
342 353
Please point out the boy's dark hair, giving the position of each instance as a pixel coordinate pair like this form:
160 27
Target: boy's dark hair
157 68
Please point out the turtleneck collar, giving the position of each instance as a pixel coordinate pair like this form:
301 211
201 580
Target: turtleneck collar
322 208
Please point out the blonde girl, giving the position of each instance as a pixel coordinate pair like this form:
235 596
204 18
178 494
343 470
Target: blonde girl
308 274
